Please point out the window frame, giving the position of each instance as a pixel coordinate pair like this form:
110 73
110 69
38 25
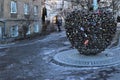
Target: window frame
26 8
36 27
29 30
35 9
13 7
14 31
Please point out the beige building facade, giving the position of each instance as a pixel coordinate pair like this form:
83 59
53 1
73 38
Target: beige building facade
13 13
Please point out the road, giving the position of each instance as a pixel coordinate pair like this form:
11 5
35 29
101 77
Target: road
33 60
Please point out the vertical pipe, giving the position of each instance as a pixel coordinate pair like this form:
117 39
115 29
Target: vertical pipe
4 30
95 5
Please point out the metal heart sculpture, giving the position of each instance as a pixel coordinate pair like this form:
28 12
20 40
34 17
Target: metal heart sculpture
90 32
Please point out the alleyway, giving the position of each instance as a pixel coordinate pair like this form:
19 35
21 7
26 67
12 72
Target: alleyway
33 60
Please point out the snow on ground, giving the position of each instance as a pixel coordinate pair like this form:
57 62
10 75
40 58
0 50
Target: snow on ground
52 36
39 64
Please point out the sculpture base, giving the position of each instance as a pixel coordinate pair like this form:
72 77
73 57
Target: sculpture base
73 58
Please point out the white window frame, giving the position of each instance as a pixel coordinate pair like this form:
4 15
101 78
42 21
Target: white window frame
0 32
36 27
14 31
29 31
13 7
35 10
26 8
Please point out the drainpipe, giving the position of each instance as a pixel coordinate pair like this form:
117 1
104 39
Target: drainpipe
3 29
4 34
95 4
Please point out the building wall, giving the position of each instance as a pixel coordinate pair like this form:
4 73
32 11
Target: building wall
1 18
18 19
1 8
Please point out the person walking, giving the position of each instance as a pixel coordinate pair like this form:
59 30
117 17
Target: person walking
118 18
44 15
58 22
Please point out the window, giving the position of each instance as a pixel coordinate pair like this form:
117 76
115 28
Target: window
0 32
13 7
36 28
35 10
14 31
29 31
26 8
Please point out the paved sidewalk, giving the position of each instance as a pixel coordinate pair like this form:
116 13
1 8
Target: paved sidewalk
50 37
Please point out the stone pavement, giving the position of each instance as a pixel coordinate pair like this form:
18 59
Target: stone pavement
50 37
34 61
74 58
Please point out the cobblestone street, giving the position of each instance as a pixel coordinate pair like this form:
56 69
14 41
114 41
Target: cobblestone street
33 60
59 39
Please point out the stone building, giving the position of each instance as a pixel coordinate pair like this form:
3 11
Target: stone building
14 13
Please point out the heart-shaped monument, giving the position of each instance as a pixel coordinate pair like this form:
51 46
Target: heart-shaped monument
90 32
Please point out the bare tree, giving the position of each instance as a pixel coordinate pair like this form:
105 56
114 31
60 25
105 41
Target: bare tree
26 21
115 6
83 3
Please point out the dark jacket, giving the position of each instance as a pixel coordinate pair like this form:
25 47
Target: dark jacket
118 19
44 13
58 21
